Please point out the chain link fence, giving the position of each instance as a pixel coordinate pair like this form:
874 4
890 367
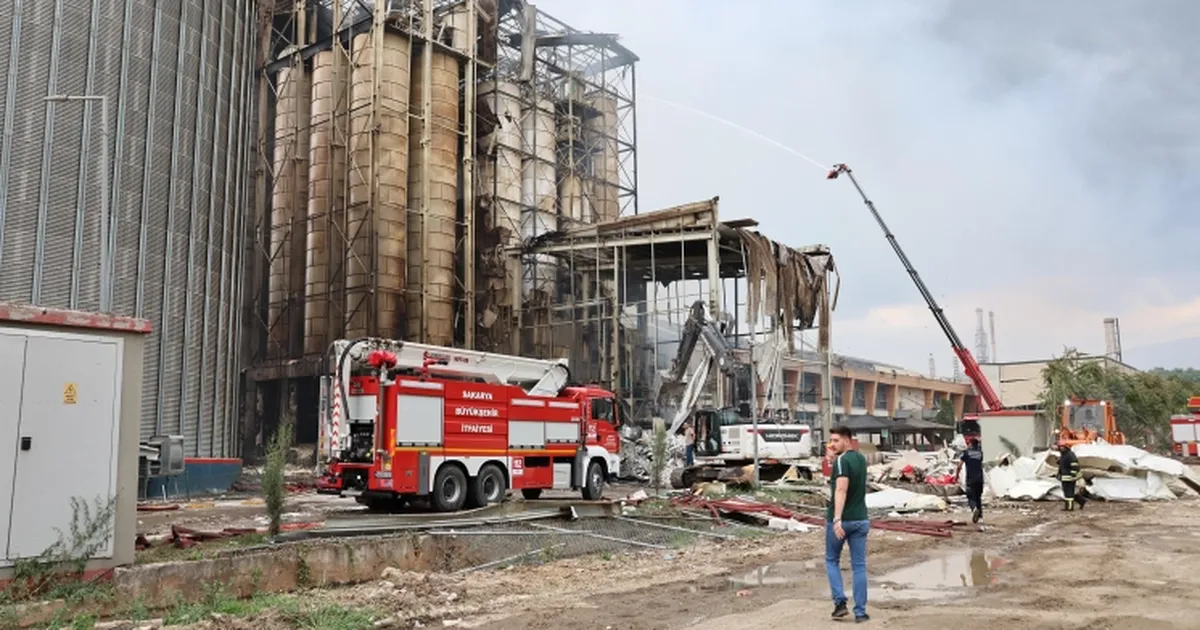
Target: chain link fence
508 544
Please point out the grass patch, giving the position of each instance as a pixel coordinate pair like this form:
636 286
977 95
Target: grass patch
292 610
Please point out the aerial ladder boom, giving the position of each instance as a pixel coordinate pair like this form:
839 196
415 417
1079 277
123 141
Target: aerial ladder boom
970 366
539 377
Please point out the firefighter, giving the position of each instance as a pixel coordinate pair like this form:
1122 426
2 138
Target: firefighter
972 459
1068 474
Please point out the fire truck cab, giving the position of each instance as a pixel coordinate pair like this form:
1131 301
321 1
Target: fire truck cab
459 428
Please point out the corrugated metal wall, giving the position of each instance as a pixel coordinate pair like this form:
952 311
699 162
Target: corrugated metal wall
177 75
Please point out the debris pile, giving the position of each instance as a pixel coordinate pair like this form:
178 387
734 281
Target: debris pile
901 500
936 468
637 457
1112 472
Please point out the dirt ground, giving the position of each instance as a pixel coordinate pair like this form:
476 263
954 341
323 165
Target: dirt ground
1112 566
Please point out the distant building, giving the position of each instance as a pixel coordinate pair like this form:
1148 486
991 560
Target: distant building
1019 383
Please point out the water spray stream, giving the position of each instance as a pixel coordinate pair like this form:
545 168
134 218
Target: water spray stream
730 123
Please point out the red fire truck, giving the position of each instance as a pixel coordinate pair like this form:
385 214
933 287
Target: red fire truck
459 428
1185 431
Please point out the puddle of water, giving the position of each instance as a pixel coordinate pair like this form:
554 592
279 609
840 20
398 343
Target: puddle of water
949 575
778 574
945 576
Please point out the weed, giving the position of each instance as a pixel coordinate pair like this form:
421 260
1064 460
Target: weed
606 555
273 482
256 576
303 573
58 572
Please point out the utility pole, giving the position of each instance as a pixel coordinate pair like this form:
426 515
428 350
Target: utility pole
105 271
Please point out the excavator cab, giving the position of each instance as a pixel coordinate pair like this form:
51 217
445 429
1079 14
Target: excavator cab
708 423
1085 420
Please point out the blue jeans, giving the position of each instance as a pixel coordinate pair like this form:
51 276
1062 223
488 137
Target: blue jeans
689 454
856 536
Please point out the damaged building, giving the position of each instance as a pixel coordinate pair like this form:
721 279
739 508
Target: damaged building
465 174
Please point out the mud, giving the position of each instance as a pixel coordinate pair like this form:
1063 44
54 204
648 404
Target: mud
1112 566
1032 567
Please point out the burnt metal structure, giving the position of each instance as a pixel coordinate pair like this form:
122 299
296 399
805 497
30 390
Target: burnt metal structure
352 200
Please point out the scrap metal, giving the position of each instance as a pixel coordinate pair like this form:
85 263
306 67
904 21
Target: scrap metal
939 529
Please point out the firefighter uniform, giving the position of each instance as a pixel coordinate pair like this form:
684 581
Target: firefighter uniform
1068 474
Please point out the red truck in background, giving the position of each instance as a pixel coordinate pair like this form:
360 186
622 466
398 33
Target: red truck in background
1185 431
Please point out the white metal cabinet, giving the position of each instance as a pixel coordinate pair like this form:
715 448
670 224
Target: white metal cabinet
66 443
12 371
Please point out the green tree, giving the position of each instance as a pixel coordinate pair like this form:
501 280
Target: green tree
1191 375
945 413
274 484
1143 401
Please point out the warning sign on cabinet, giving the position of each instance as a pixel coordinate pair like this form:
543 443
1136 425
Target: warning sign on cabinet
70 394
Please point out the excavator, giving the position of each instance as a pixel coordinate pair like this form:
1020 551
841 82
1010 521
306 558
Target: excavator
726 434
1084 420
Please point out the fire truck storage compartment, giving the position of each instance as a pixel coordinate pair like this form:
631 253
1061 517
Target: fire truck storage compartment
70 407
419 419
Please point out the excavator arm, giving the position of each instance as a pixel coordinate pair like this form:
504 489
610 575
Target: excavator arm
699 332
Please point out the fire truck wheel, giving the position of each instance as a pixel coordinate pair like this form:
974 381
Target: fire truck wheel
449 489
489 487
593 486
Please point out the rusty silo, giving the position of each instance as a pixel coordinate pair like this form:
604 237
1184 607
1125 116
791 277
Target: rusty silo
379 137
326 199
576 205
433 202
502 175
602 138
539 190
289 205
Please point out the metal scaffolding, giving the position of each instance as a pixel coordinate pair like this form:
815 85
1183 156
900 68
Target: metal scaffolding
626 288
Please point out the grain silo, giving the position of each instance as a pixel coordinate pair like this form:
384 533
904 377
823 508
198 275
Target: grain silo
602 138
433 199
289 193
502 174
326 201
576 206
539 189
176 82
378 173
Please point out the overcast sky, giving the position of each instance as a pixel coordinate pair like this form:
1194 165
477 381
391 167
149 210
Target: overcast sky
1036 159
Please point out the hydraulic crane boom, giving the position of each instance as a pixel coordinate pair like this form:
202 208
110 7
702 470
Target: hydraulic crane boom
990 400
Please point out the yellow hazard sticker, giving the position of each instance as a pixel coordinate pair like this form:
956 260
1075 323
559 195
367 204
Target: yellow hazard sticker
70 394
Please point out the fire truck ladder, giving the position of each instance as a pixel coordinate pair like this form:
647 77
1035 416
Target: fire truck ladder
990 400
539 377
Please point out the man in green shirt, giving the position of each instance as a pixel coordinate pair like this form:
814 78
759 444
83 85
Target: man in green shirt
847 523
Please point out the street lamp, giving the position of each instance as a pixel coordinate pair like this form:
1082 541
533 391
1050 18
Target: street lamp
105 285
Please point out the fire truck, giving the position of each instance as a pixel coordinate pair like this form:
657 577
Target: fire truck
459 428
1185 431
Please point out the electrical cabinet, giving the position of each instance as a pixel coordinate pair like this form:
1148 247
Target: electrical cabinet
59 435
